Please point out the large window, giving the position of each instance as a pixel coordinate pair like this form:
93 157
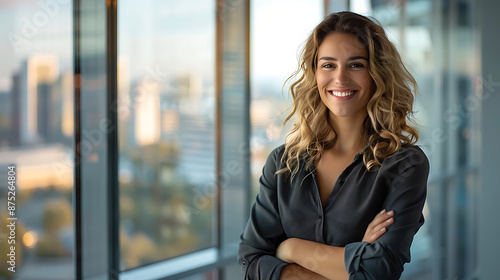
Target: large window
36 138
166 114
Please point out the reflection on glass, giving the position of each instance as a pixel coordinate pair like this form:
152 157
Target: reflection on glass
166 114
273 59
36 134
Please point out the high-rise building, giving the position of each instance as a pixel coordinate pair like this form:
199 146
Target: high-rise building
4 118
15 119
197 133
36 70
44 110
147 114
67 107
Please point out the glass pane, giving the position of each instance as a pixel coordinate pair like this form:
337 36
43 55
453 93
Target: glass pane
166 114
36 136
273 60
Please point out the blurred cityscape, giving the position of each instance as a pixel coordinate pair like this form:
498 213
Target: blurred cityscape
166 167
36 134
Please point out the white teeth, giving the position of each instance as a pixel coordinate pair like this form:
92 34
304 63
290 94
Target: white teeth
342 93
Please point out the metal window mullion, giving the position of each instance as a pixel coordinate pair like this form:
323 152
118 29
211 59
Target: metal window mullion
112 145
247 101
219 23
450 161
77 139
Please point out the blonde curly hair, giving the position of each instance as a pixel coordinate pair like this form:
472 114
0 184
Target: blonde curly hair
389 108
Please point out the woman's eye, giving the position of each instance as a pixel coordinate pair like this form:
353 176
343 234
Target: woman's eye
327 66
357 65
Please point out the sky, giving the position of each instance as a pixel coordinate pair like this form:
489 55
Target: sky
29 27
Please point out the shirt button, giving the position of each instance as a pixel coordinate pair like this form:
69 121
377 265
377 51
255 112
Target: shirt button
341 181
244 263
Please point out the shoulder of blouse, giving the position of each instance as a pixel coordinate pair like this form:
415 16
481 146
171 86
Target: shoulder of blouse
410 156
276 155
412 153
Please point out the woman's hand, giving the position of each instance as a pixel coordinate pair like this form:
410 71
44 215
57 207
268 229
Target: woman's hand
378 226
284 250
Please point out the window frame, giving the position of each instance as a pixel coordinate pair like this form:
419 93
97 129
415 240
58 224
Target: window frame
97 20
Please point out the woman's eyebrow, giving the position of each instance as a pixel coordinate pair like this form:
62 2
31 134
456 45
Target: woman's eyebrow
349 59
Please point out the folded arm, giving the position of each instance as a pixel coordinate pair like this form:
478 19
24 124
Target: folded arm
325 261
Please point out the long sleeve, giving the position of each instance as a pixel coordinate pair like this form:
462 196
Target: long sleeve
405 175
263 232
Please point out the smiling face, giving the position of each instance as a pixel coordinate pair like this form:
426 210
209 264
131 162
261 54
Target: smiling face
342 75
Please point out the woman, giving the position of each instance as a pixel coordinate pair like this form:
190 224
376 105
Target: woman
320 212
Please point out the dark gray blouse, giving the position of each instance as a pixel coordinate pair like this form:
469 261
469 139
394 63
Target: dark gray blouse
285 209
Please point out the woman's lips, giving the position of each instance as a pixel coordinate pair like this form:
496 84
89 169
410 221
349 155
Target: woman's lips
343 94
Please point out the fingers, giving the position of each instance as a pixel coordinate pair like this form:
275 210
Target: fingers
378 226
376 235
382 220
379 230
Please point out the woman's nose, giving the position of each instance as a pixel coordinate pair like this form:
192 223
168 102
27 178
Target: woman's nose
342 77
